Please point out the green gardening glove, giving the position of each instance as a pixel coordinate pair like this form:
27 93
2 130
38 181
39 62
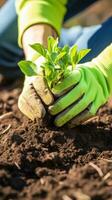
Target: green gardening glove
84 91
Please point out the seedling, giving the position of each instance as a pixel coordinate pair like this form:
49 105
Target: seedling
58 64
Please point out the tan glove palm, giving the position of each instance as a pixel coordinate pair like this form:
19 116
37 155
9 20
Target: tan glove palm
34 95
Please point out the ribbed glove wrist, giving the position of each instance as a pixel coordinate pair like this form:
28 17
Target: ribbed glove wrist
104 62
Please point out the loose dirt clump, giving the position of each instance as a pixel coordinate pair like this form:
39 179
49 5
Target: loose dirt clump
47 163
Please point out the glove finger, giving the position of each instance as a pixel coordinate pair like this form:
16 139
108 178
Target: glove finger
72 111
98 103
30 104
67 83
65 101
42 90
81 118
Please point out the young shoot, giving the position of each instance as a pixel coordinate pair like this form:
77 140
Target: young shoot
58 64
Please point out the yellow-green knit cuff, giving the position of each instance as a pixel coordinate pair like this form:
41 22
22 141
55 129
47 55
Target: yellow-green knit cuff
104 62
35 12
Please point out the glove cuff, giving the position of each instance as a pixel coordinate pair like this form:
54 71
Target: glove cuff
104 62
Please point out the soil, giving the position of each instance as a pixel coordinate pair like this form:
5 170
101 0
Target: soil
46 163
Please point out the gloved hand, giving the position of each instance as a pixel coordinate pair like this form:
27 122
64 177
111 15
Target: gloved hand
85 90
35 93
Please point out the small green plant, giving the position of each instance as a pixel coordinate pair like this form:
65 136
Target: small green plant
58 64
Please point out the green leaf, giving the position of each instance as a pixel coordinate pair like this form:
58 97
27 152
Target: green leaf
49 57
53 56
39 48
48 69
66 48
74 55
82 53
52 44
28 68
64 62
59 50
60 56
59 62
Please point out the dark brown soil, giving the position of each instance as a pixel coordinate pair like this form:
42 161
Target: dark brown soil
45 163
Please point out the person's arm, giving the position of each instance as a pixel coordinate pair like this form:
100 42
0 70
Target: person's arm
36 34
40 12
37 19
